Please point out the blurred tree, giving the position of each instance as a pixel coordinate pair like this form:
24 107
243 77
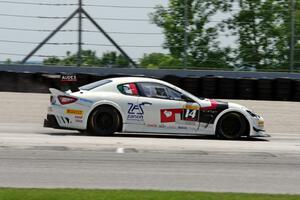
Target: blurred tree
113 59
263 31
159 60
89 58
8 61
202 46
297 33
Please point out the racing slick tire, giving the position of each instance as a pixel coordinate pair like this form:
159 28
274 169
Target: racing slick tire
104 121
231 126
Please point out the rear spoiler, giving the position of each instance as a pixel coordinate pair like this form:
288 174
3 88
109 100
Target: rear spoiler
56 92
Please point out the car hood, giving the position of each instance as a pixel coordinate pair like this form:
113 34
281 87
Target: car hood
235 105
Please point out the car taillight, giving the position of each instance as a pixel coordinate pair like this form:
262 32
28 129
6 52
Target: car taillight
66 99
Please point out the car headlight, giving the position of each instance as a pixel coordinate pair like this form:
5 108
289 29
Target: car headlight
261 123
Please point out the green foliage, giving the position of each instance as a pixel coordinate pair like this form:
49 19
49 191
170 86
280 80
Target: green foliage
156 60
202 46
297 38
113 59
263 32
89 58
263 29
8 61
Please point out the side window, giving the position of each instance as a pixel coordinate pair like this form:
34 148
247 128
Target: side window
175 95
128 89
154 90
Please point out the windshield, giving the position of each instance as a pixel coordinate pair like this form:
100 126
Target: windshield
94 85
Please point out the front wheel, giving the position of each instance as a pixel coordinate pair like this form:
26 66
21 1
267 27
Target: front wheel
231 126
104 121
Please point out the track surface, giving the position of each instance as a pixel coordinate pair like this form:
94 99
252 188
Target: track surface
32 156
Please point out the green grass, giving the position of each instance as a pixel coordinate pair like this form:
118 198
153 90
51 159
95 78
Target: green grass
80 194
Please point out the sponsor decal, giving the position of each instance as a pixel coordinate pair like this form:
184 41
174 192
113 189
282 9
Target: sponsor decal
190 115
79 120
78 116
191 107
68 78
169 115
162 126
152 125
213 105
182 127
74 112
86 101
135 112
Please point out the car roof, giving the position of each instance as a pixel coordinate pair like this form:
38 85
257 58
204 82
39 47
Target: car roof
121 80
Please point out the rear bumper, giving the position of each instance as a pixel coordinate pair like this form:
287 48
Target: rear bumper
51 122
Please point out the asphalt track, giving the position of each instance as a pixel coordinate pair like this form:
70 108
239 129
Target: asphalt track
33 156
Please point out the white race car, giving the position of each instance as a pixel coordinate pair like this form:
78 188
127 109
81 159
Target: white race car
135 104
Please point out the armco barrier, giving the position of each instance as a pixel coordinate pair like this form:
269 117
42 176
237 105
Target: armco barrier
205 86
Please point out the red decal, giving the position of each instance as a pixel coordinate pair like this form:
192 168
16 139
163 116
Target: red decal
213 105
133 89
168 115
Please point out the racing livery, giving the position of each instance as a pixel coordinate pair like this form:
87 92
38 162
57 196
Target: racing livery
135 104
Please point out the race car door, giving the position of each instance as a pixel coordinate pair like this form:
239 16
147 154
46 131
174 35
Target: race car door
167 110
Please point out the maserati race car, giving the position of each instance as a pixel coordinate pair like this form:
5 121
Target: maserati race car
135 104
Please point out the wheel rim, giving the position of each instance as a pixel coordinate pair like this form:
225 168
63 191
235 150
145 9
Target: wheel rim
104 121
231 126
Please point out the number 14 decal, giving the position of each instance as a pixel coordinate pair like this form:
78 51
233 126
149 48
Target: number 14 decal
190 115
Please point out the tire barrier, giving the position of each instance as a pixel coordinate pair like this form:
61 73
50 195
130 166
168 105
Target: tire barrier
283 89
39 83
191 84
265 89
296 90
246 88
227 88
209 86
8 81
175 80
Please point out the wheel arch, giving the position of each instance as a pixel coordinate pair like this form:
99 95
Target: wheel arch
101 104
241 112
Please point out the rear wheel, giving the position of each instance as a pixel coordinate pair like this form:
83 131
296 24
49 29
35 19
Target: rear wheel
104 121
231 126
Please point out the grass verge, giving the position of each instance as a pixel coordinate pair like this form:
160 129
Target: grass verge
81 194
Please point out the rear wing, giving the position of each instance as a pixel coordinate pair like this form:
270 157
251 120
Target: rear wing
56 92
